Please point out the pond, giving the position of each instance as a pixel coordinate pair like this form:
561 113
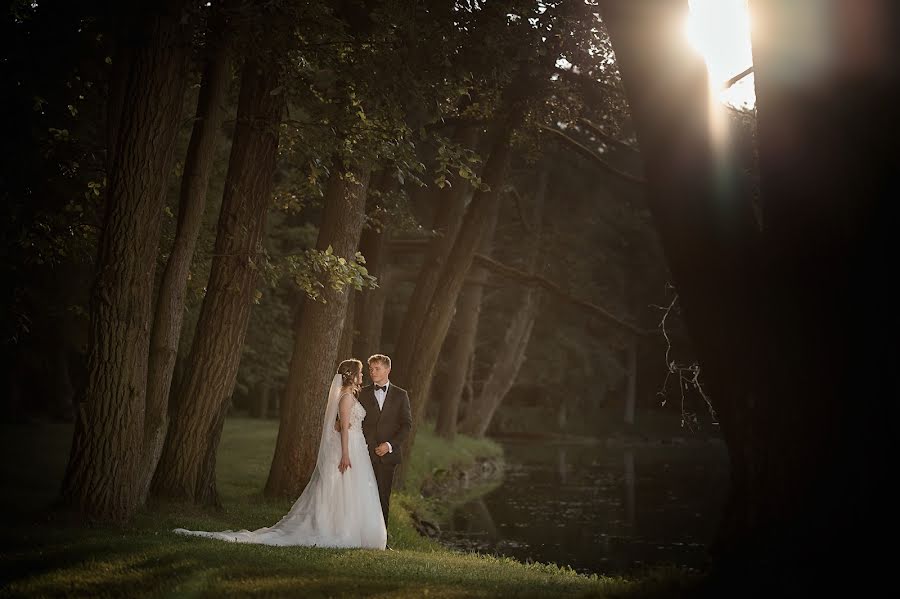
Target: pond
598 509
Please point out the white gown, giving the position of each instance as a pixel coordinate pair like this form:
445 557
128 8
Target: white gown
334 510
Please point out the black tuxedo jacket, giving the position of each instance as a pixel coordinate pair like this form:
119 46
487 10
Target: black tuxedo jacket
391 423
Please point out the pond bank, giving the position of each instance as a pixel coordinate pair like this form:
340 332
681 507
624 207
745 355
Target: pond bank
41 556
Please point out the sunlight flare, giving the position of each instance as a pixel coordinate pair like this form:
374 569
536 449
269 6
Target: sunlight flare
719 31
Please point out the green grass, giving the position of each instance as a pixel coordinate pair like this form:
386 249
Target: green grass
434 454
45 555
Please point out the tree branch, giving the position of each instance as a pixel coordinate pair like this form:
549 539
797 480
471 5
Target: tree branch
517 197
597 89
525 278
592 156
598 132
737 77
539 281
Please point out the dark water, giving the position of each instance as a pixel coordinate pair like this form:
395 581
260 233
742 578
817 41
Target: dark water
598 509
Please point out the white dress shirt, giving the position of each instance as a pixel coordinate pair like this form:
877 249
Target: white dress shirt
380 394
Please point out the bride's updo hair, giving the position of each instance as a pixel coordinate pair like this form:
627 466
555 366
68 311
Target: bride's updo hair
348 369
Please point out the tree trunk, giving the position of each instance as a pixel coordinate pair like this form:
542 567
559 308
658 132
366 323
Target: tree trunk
781 321
62 400
631 391
511 356
814 455
100 480
370 303
186 464
417 372
170 302
468 311
260 406
316 341
348 331
369 308
451 207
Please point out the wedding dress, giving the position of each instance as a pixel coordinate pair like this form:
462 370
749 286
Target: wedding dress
334 510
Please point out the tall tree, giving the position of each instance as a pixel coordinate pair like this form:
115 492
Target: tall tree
373 245
783 319
101 476
544 37
316 338
170 303
186 467
451 207
417 372
511 355
370 304
468 309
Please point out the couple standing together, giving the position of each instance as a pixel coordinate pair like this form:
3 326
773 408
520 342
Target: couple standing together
345 503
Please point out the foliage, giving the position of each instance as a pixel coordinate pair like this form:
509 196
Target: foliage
53 178
386 84
315 270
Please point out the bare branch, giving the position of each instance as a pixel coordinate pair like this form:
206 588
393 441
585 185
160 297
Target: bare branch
737 77
688 375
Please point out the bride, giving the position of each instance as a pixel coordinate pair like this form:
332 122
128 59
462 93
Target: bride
340 506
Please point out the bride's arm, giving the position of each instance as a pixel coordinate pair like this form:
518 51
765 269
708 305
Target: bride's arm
346 403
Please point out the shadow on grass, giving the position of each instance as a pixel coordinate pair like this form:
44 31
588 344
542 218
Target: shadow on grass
44 555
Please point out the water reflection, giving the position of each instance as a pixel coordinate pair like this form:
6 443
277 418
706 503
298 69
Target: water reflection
562 466
629 487
598 509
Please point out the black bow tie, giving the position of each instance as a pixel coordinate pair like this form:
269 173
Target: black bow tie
380 388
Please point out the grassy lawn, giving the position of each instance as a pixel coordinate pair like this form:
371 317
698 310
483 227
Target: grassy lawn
43 555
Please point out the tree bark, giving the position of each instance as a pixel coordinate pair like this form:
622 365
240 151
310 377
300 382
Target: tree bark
631 391
511 356
260 406
781 321
468 311
369 308
316 340
348 330
170 301
370 303
100 480
186 468
417 372
451 207
462 347
458 350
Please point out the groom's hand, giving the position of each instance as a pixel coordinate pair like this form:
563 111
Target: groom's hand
382 449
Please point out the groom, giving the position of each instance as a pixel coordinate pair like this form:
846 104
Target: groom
386 425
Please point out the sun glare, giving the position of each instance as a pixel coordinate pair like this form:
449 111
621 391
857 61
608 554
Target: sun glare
719 30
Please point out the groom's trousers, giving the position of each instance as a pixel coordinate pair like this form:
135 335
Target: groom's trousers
384 477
